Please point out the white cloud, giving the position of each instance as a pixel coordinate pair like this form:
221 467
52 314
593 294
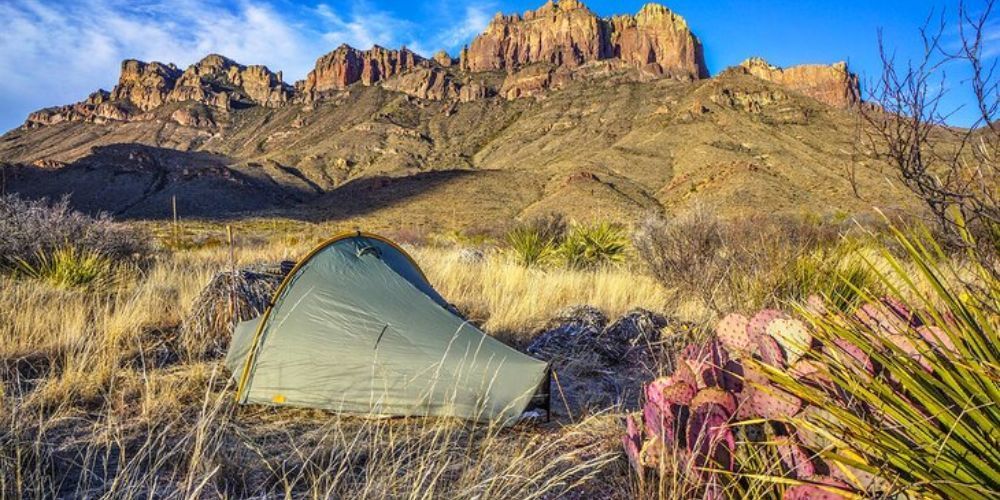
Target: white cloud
477 16
57 53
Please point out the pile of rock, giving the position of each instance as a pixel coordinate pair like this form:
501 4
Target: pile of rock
600 364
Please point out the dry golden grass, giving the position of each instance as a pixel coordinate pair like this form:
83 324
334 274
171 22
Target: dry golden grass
98 399
509 297
98 396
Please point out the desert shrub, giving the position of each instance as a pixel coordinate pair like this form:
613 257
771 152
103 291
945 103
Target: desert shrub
746 263
69 267
832 272
587 247
31 229
529 246
682 251
535 242
552 226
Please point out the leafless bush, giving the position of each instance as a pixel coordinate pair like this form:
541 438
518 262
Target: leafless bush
684 250
742 263
29 228
954 171
551 227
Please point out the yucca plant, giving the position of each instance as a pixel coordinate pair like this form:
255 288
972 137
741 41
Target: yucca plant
921 412
593 246
69 267
529 246
810 274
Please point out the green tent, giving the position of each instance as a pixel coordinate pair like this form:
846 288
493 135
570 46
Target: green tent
356 327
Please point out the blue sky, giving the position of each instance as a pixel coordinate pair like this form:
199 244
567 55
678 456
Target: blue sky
57 52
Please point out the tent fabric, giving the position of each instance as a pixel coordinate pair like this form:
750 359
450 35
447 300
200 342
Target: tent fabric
357 328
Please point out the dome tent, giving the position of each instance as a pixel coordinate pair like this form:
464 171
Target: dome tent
356 327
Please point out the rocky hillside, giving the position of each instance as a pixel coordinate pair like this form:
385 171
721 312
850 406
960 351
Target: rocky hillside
553 110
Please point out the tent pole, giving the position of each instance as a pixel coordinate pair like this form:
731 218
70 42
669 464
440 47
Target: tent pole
548 394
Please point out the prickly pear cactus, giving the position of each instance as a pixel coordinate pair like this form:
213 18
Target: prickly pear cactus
721 393
689 416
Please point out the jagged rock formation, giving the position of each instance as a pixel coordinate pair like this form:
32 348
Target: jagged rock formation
347 65
95 109
145 85
567 33
658 41
517 56
425 83
443 59
219 81
831 84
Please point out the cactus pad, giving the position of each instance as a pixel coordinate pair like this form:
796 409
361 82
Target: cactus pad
679 393
732 376
770 351
793 458
823 488
792 335
909 347
652 453
855 353
716 396
632 440
880 319
659 421
816 305
757 327
710 439
734 334
770 402
937 338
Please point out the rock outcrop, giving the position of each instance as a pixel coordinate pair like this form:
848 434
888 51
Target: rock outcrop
145 85
219 81
444 59
426 83
95 109
831 84
347 65
563 33
567 33
657 41
214 81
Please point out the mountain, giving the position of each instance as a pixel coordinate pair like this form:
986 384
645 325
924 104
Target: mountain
553 110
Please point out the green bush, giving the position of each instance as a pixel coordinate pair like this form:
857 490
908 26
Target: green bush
587 247
834 273
529 246
70 268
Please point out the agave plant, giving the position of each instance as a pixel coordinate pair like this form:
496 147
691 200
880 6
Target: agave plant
924 409
592 246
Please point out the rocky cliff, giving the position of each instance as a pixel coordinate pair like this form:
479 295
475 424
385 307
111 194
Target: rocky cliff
830 84
220 82
347 65
145 85
517 56
567 33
